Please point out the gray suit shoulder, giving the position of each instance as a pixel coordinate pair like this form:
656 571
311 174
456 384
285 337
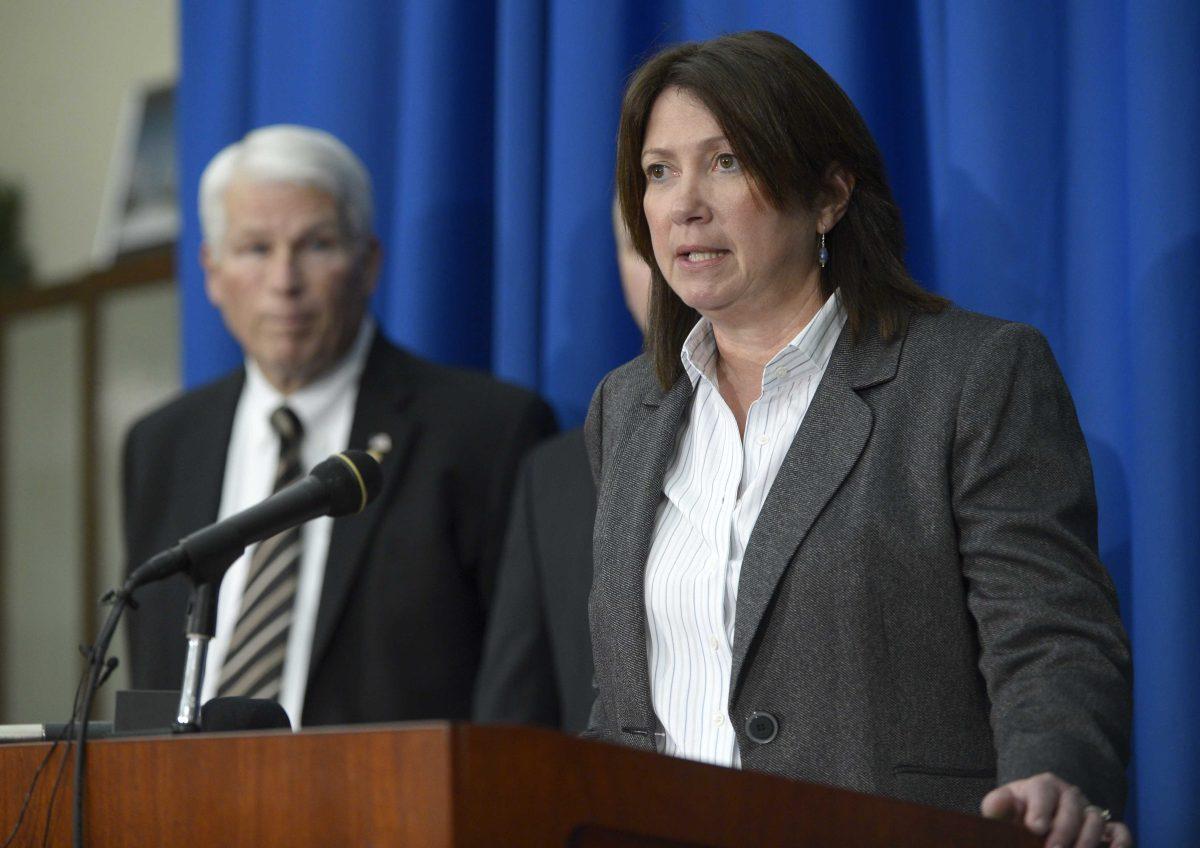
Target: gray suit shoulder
956 346
629 384
963 332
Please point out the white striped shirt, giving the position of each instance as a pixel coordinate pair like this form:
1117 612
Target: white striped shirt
713 490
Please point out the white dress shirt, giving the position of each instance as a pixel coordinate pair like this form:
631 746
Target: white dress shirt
325 408
714 488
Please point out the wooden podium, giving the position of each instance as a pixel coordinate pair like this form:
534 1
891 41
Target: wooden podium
442 785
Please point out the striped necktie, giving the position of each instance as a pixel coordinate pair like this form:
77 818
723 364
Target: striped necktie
253 664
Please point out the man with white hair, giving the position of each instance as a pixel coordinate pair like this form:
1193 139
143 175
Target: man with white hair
379 616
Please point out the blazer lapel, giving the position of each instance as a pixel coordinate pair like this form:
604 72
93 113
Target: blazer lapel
202 455
830 440
634 481
379 422
206 454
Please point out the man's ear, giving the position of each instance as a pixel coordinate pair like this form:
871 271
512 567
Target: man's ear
372 259
212 287
839 186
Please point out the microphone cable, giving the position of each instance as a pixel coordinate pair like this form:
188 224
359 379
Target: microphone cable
37 774
97 672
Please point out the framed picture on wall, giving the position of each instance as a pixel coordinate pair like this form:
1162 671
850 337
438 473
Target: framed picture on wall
140 208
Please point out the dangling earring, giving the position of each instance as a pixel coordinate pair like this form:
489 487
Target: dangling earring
823 253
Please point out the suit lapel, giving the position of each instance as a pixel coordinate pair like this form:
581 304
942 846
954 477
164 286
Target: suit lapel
830 440
206 454
380 419
201 458
635 479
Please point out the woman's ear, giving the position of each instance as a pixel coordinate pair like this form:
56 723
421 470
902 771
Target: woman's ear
839 185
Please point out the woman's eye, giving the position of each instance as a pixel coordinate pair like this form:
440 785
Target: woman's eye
726 162
656 171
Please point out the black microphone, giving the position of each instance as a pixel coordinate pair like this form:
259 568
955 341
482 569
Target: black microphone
343 484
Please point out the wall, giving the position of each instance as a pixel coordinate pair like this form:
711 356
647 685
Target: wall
66 67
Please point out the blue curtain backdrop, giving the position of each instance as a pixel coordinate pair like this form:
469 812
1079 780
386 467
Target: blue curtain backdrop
1046 156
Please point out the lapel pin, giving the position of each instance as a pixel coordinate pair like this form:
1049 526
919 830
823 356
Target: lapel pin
379 445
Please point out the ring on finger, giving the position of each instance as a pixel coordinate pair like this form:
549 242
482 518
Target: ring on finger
1103 813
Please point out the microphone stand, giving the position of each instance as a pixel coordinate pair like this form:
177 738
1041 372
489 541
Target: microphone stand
201 626
96 665
342 484
202 619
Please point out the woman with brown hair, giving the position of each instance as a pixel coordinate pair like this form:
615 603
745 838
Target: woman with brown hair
846 532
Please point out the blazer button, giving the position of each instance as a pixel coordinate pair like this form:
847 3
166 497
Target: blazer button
762 727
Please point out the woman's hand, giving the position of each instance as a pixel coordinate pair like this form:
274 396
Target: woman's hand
1048 805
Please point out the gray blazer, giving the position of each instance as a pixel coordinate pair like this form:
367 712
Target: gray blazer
921 611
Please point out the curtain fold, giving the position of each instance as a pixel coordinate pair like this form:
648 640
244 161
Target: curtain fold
1162 229
1046 158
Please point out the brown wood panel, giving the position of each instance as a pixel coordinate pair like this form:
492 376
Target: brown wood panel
4 642
18 765
590 836
307 789
539 787
138 269
440 785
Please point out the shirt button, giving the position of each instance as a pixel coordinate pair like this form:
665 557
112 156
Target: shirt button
718 719
780 373
762 440
712 640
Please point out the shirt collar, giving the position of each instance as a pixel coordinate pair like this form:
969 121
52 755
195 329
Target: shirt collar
809 350
699 353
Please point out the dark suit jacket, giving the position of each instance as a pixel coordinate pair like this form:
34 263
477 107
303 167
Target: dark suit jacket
920 604
407 582
537 659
